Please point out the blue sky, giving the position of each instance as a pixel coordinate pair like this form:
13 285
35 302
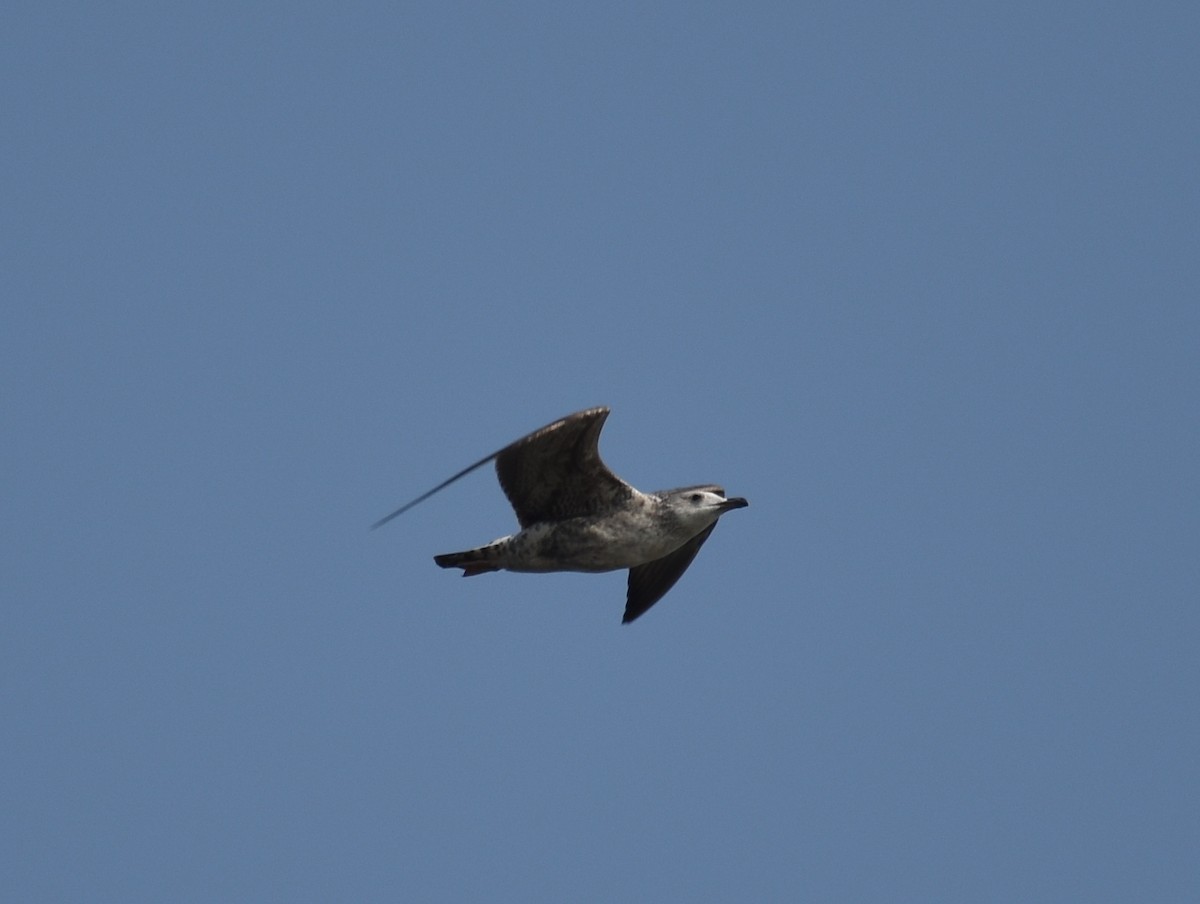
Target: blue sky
919 281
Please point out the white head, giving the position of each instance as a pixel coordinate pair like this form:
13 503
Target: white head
700 506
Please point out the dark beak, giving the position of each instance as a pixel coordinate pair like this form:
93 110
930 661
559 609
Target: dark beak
732 503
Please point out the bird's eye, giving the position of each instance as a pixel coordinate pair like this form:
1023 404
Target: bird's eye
696 497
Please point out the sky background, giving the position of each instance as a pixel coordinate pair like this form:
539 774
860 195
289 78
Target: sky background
920 281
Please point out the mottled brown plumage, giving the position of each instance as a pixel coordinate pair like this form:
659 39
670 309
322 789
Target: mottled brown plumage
556 472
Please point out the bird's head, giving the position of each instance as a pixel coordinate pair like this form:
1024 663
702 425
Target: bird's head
701 505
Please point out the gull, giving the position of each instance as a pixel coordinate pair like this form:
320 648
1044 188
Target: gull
577 515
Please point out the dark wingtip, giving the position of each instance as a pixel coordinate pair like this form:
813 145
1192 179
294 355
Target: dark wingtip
384 520
441 486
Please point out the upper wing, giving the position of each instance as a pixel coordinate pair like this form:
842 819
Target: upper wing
650 582
556 472
552 473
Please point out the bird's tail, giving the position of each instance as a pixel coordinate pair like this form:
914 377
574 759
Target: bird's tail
471 561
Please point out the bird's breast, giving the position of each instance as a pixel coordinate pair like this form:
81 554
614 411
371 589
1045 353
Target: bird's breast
606 542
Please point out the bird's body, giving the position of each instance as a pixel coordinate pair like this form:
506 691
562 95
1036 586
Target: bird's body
641 531
576 515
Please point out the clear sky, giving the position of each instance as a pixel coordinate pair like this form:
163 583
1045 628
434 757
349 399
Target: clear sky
921 281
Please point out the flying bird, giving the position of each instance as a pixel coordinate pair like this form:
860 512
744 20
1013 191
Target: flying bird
577 515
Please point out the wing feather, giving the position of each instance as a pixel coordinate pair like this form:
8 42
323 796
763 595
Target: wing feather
650 582
556 472
550 474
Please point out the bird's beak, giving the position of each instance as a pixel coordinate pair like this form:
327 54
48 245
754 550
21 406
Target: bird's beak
732 503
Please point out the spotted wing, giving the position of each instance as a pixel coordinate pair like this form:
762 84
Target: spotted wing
556 472
650 582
